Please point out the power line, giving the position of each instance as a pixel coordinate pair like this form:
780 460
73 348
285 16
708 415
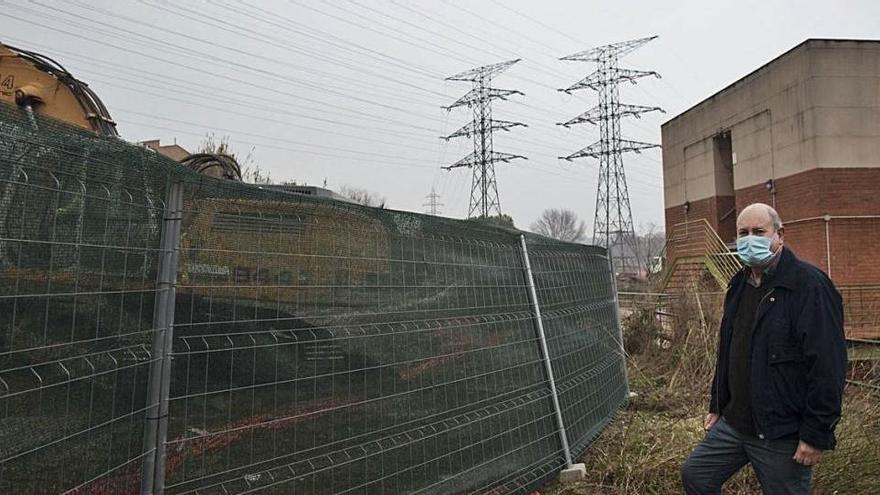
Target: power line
250 84
214 60
358 154
438 34
176 89
422 12
204 41
495 23
322 154
558 32
286 23
213 44
536 21
251 115
381 33
396 36
268 108
178 86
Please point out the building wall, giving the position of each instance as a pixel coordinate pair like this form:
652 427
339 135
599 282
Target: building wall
765 115
817 106
172 151
716 210
803 134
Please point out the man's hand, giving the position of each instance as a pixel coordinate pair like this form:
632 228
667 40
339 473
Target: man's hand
710 421
807 454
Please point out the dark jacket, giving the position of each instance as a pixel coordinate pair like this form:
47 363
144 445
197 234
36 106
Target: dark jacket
799 358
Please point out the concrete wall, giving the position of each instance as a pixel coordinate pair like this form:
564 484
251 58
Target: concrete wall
816 106
810 122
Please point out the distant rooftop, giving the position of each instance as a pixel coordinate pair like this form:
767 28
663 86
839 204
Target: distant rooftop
172 151
307 190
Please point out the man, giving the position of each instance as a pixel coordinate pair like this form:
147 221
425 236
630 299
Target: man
776 395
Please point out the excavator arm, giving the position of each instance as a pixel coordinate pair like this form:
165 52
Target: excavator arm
37 82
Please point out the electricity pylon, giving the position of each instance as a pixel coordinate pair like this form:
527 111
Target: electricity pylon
613 224
432 206
484 188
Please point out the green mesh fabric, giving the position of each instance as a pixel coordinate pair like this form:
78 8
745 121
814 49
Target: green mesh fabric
318 346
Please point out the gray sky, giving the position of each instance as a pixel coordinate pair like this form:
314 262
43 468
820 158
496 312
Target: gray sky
351 90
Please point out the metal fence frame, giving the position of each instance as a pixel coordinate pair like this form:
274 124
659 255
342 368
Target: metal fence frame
156 431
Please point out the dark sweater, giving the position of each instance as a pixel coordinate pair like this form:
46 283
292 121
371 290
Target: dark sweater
738 412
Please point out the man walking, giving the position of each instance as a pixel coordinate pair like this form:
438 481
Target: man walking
776 395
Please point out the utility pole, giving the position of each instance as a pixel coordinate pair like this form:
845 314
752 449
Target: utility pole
432 205
613 225
484 189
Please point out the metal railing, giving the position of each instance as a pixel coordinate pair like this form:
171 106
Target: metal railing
695 242
861 308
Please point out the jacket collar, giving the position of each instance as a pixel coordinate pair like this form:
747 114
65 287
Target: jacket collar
787 271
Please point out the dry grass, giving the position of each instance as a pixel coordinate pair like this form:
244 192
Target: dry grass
670 369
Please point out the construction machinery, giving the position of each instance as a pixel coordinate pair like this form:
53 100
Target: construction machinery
43 86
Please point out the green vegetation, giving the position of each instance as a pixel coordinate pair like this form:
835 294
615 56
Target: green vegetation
496 220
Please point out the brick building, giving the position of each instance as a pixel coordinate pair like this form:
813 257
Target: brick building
801 133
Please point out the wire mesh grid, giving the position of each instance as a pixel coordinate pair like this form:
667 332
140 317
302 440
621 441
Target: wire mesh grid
328 349
79 225
316 346
578 302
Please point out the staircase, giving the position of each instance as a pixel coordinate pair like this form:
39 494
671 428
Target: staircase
695 253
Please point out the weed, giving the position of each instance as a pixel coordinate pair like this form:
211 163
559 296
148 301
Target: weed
670 369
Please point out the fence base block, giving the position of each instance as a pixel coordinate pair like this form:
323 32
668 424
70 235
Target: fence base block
577 472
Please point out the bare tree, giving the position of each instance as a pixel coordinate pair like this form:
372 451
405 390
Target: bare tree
363 197
257 175
652 240
212 144
243 165
560 224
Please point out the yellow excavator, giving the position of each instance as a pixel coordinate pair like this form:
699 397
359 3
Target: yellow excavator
44 87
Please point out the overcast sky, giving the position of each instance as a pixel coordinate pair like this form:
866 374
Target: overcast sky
351 90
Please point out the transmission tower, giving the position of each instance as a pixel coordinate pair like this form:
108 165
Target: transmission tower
432 206
484 189
613 225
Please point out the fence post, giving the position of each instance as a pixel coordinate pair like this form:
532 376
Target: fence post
156 415
616 296
572 472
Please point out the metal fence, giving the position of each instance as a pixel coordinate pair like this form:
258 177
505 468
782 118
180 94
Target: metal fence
162 331
861 312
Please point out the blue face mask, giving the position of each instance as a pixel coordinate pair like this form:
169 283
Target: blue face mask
754 250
